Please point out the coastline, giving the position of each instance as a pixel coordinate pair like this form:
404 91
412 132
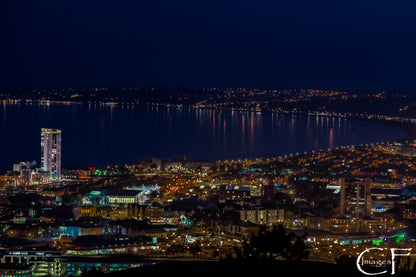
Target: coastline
408 128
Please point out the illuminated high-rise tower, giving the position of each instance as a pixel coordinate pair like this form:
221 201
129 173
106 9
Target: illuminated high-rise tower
51 153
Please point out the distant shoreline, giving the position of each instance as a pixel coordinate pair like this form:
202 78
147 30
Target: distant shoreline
409 129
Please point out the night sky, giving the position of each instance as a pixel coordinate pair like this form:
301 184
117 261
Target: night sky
291 43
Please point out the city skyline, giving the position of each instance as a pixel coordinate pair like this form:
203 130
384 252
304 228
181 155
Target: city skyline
207 138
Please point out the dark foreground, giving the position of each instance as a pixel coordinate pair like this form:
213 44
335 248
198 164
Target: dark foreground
254 269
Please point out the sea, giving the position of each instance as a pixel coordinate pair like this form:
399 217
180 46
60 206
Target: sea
107 134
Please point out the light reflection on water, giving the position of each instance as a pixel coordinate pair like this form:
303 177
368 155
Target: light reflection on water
106 135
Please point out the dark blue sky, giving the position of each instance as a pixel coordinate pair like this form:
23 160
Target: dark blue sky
291 43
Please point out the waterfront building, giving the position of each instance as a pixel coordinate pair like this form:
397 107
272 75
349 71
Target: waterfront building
51 153
24 169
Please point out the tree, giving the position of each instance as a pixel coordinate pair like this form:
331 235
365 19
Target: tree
345 261
273 244
195 248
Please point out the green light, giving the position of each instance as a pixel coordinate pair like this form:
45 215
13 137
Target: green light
399 237
377 242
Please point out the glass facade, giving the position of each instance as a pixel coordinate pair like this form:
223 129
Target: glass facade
51 153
